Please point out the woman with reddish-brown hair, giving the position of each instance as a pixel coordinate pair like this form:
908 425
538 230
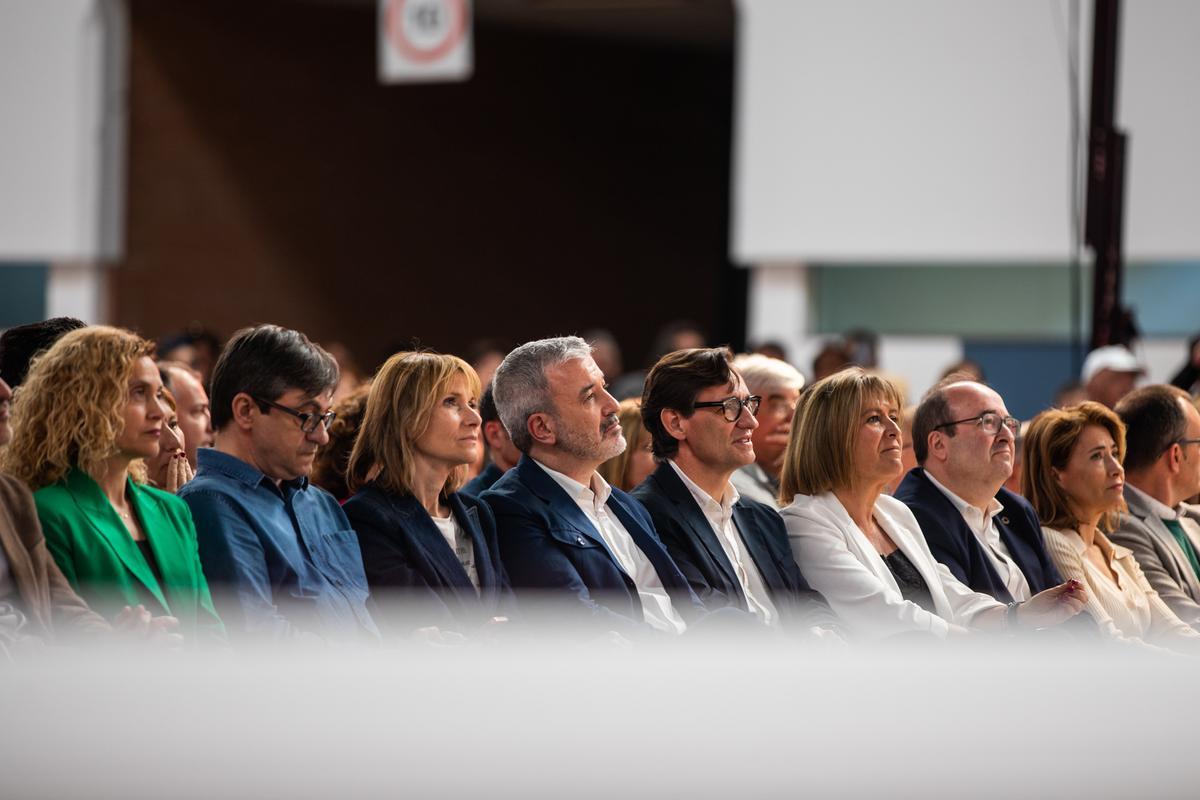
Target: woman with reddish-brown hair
1074 478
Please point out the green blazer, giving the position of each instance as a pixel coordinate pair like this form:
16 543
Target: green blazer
102 562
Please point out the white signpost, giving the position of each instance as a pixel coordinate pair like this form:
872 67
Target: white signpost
424 40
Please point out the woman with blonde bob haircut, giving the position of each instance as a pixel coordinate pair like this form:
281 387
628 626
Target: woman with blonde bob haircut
864 550
90 413
1074 478
429 552
635 463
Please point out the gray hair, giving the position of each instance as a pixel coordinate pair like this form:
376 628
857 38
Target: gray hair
764 374
520 388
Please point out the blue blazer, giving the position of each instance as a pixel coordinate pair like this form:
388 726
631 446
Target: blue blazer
416 580
483 481
689 538
953 543
551 549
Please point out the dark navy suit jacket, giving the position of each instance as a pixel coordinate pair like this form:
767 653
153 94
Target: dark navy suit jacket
416 580
553 552
483 481
694 547
953 543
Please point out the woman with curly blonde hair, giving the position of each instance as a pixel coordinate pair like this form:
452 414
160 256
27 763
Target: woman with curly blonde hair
428 545
88 415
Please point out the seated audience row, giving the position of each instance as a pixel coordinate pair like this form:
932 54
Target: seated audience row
250 549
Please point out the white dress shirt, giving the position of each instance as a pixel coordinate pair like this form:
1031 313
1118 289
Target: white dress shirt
460 544
983 525
656 603
720 519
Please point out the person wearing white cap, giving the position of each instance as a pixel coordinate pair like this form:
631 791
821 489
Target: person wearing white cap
1109 373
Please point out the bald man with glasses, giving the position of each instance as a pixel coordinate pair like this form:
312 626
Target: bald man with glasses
964 441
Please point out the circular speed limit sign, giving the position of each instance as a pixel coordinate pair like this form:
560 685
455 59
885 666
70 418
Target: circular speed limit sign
425 30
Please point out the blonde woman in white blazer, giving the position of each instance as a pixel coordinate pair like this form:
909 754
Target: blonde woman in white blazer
1074 478
844 450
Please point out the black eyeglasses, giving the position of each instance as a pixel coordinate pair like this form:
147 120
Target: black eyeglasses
308 420
989 422
1186 442
732 406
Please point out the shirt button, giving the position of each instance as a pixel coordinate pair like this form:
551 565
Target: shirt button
580 540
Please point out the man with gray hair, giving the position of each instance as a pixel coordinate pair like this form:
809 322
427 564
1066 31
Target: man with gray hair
568 538
778 383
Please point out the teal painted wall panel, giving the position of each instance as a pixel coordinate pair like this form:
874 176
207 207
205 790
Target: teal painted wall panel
22 293
1024 301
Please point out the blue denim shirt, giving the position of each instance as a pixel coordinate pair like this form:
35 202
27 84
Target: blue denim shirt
282 561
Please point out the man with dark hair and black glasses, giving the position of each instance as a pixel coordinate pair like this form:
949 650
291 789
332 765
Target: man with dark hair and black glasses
990 538
733 551
1162 469
281 558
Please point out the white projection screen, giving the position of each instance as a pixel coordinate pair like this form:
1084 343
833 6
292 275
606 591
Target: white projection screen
938 130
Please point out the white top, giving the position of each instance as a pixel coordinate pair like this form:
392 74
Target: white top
720 519
983 525
656 603
461 545
1128 611
840 562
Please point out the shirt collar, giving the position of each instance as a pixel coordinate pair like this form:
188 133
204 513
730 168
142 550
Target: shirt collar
970 513
210 458
1158 509
703 498
596 494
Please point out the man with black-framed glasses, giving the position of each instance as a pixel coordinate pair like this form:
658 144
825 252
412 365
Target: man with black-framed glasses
282 560
1162 470
964 441
733 550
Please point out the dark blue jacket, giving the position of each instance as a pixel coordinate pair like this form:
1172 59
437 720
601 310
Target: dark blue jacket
692 544
416 580
953 543
552 552
483 481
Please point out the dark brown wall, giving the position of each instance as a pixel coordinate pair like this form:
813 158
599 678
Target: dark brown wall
573 182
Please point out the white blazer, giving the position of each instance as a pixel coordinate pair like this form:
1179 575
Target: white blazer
840 562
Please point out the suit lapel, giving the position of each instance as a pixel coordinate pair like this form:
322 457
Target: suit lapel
429 539
545 487
972 543
1166 539
756 546
693 516
107 525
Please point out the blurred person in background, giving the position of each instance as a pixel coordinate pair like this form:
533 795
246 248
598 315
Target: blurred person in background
195 415
1162 470
833 357
606 352
1070 393
329 467
1013 484
567 537
771 349
732 549
988 537
908 458
502 454
863 550
966 370
1189 374
350 377
1075 481
1109 373
677 335
169 470
778 384
484 355
88 416
19 344
280 554
635 463
197 347
429 551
